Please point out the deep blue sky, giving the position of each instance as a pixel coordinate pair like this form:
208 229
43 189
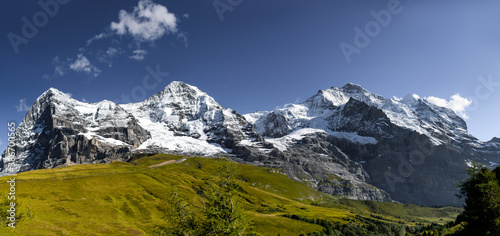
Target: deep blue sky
263 54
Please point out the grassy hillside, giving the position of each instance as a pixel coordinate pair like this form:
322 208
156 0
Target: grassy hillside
129 199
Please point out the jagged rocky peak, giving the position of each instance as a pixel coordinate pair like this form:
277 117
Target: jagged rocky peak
54 95
183 119
52 91
339 96
181 95
108 113
348 131
49 102
181 89
410 99
327 99
353 88
107 104
495 140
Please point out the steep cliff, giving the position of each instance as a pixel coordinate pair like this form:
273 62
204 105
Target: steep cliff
342 141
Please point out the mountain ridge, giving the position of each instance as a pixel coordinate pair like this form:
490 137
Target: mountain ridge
343 141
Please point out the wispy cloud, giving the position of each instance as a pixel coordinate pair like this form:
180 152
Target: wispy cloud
184 38
97 37
82 64
144 25
107 56
22 106
59 69
139 54
112 51
457 103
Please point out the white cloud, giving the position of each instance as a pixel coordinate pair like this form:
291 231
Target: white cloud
82 64
112 51
107 56
183 37
97 37
22 106
1 142
139 55
147 22
59 69
457 103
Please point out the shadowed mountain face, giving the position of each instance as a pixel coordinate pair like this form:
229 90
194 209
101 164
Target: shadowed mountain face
342 141
58 130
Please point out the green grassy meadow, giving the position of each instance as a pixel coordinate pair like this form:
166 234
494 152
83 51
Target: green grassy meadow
129 199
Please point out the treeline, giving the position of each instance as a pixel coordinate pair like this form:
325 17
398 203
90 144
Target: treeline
222 215
371 227
481 215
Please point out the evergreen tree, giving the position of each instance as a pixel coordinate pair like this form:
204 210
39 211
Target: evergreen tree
482 201
223 213
179 215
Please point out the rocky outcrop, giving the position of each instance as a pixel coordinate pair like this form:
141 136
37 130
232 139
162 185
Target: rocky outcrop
58 130
345 141
413 150
182 110
318 162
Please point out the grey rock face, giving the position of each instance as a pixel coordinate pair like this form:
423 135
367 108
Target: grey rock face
316 160
277 125
186 111
413 150
58 130
344 141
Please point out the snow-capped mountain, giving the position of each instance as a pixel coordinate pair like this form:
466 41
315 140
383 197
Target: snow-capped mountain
183 119
179 119
60 130
342 141
409 147
327 111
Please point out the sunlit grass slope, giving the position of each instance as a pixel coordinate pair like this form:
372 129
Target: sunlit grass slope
129 199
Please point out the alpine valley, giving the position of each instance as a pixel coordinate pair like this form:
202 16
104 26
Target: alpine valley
346 141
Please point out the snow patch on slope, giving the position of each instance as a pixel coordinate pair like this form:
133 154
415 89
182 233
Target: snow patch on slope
181 118
163 138
110 141
284 142
410 112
